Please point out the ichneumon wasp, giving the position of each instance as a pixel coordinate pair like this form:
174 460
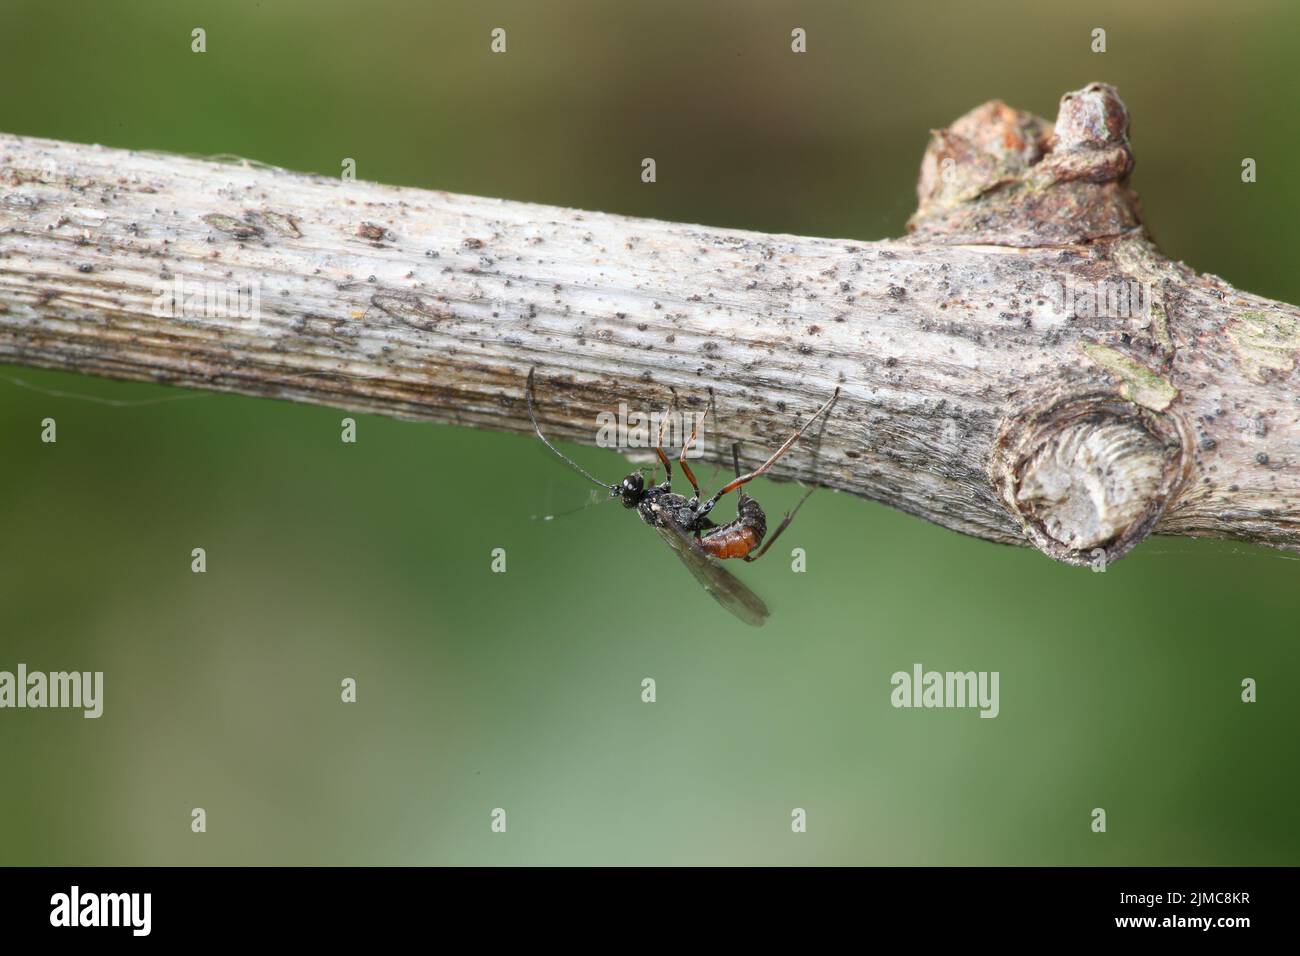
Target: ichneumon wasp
684 523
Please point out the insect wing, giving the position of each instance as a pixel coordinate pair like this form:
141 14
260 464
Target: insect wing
726 588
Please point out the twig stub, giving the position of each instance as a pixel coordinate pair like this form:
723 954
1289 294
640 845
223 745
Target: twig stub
1088 477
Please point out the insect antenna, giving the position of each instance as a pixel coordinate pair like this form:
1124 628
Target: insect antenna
591 502
559 454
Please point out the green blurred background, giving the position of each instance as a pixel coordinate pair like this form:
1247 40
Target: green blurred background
522 690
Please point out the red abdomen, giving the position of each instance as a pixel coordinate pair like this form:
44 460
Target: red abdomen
730 541
736 539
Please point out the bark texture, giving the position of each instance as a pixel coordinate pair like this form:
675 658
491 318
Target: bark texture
1025 366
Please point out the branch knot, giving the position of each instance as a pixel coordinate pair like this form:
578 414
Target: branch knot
1088 476
1001 176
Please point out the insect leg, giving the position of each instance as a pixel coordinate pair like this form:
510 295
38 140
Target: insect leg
659 447
785 523
789 515
686 446
740 480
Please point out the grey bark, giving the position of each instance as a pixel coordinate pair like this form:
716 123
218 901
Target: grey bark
1025 366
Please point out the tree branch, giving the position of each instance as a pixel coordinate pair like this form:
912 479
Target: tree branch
1024 367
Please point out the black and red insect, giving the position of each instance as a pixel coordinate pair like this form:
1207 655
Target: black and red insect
685 525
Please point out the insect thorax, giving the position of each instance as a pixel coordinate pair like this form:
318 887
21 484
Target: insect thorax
662 507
